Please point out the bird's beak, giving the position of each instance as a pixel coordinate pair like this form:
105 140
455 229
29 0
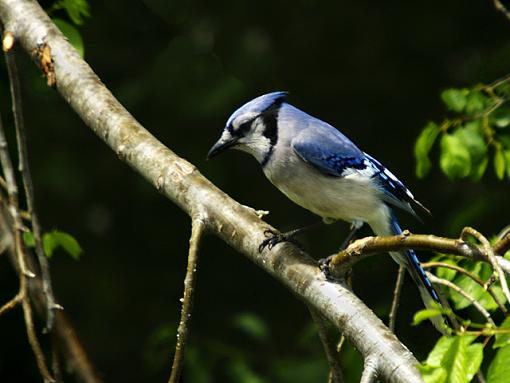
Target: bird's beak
221 145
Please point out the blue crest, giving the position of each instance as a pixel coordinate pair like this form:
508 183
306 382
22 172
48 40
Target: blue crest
258 105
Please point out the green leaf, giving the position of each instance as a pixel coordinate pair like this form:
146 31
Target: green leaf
55 239
472 288
499 163
455 99
445 273
472 138
77 10
29 239
455 361
500 117
424 143
433 374
72 35
252 325
455 160
456 356
474 360
507 160
436 355
503 339
476 102
424 314
499 369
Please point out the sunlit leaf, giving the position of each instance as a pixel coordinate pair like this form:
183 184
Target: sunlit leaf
29 239
422 148
471 137
72 34
499 369
455 99
499 163
474 360
507 162
433 374
56 239
77 10
455 160
503 339
476 102
436 355
424 314
455 361
472 288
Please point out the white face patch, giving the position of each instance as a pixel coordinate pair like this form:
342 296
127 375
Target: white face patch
254 141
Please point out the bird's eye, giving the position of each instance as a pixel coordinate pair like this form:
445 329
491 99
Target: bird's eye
244 128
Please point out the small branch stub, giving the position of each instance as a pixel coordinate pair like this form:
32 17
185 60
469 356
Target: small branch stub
7 41
43 58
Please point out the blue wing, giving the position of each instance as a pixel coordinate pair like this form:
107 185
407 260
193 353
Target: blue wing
332 153
328 150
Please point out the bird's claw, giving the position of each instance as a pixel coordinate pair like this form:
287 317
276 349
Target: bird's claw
325 268
273 238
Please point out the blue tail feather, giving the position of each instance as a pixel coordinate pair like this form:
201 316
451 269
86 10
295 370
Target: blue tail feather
417 271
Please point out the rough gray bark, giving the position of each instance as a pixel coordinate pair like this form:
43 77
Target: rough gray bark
183 184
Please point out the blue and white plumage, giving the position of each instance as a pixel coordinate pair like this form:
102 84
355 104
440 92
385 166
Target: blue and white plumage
320 169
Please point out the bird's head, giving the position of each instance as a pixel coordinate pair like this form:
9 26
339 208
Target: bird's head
252 128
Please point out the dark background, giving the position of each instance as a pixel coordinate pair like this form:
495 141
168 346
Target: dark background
372 69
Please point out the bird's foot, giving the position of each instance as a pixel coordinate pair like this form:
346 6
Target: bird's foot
273 238
325 268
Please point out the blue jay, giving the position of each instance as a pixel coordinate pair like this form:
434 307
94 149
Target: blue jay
320 169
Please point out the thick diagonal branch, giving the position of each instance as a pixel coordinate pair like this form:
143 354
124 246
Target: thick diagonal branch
182 183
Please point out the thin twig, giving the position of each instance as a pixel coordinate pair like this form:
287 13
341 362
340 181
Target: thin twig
474 302
369 370
77 361
23 272
8 306
23 167
330 348
471 275
396 297
368 246
491 257
501 8
197 231
502 244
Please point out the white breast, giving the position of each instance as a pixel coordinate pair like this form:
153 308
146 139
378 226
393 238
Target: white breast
349 198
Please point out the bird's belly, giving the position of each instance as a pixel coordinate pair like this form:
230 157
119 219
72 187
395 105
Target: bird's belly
348 198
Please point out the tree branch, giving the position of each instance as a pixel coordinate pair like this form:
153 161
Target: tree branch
469 297
24 169
182 183
396 297
330 348
76 358
470 275
368 246
19 250
501 8
197 231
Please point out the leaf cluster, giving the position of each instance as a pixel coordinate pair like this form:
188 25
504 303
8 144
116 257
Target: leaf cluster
458 358
477 132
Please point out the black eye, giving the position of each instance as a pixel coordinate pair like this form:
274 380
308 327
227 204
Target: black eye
243 128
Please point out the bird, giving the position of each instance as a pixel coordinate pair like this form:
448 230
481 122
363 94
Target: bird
320 169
